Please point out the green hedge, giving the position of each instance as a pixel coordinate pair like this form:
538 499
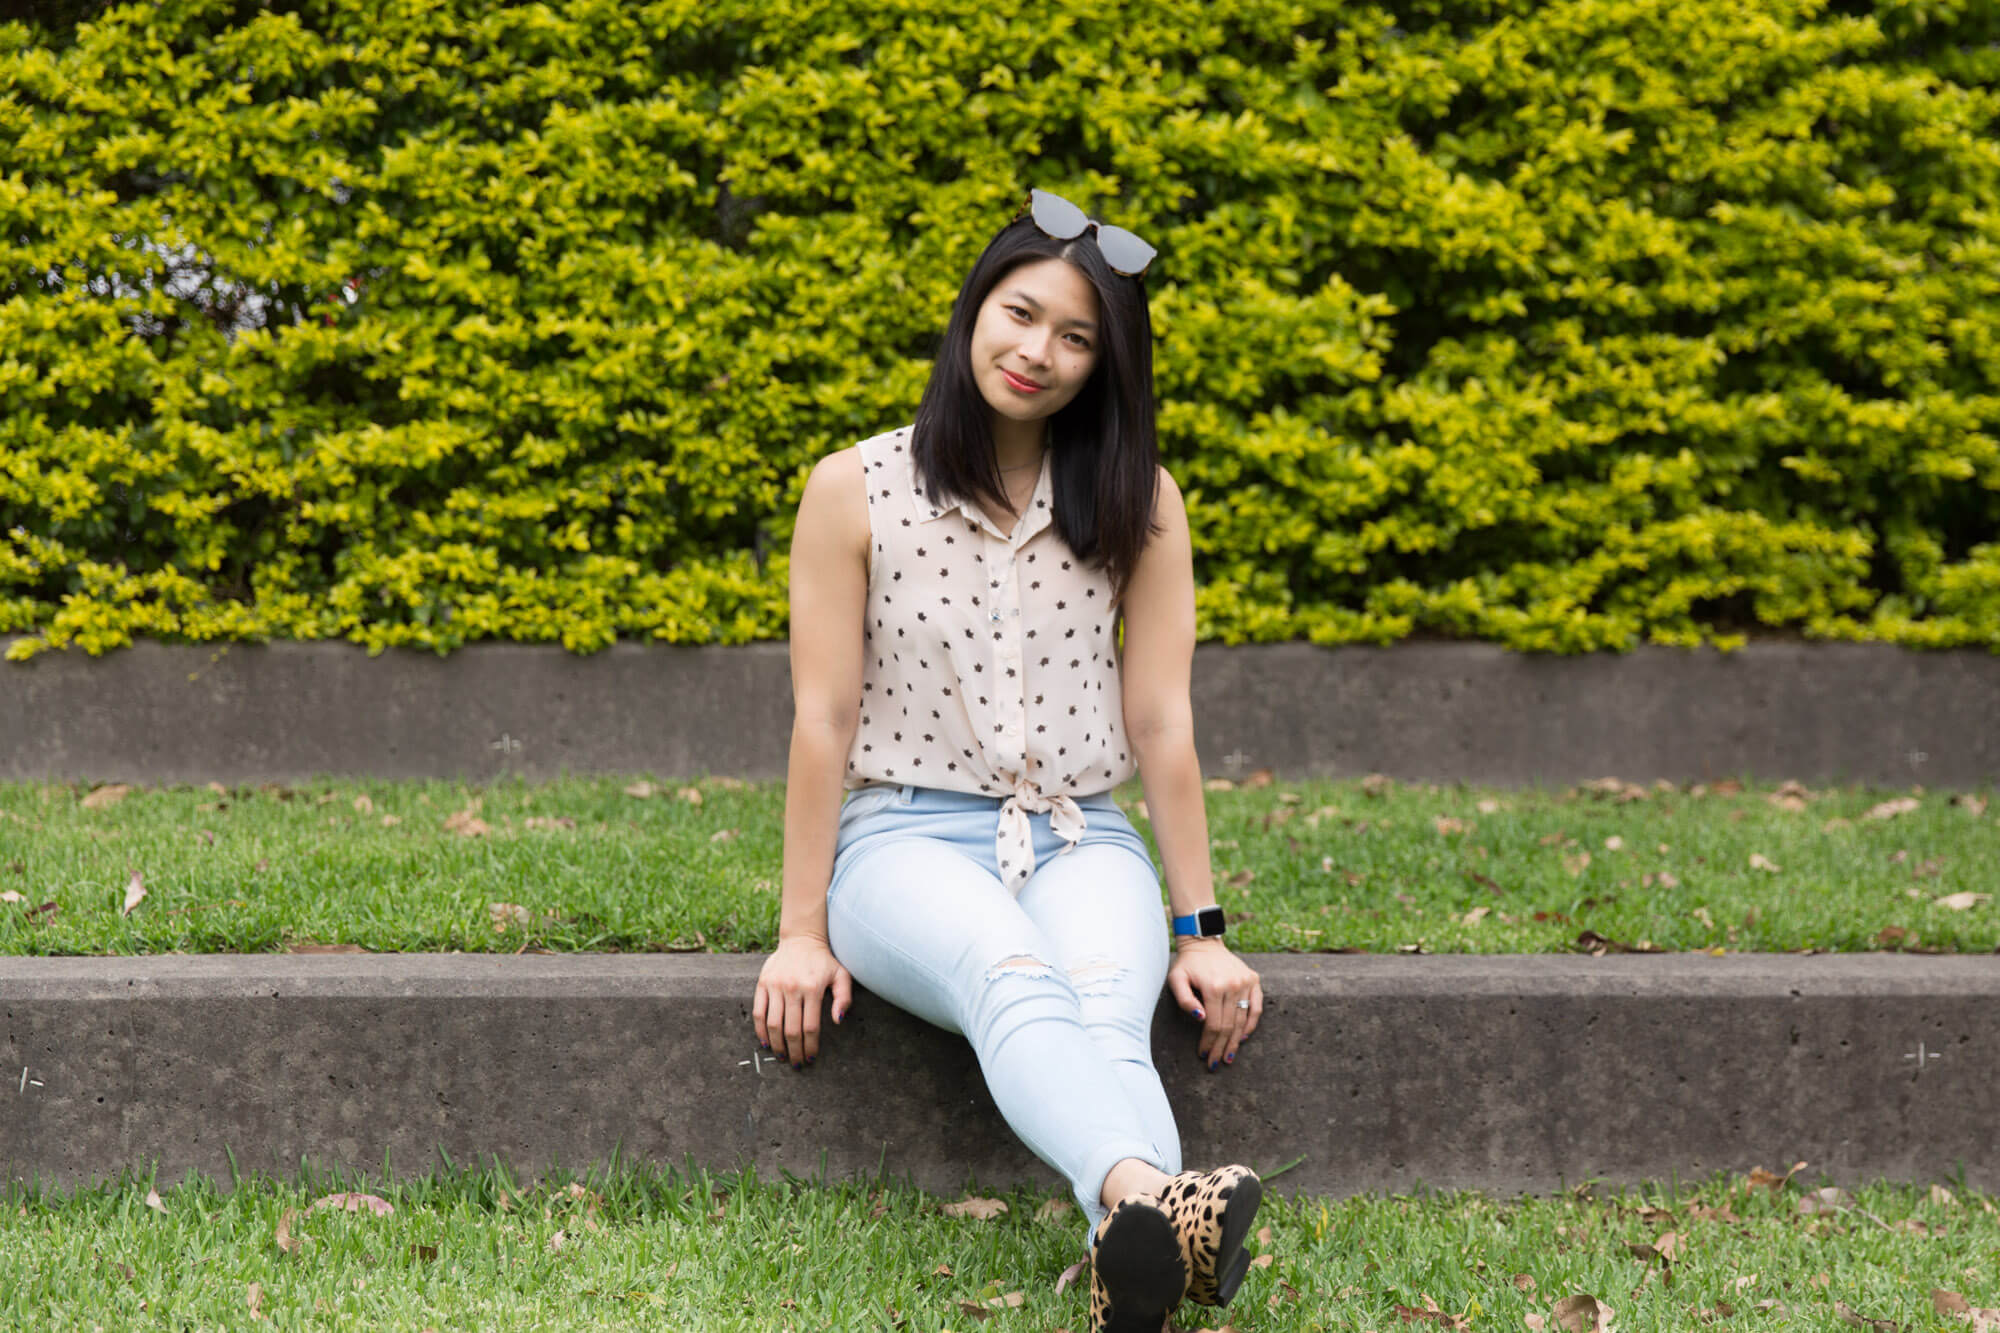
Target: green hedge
1568 324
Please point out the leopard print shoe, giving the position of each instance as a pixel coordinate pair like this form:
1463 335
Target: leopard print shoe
1137 1273
1211 1213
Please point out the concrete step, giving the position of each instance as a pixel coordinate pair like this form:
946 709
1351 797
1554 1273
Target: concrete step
1444 711
1509 1074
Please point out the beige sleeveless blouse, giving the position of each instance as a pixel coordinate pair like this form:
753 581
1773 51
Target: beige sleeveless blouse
990 663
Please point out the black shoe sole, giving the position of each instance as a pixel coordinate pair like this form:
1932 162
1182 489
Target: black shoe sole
1139 1262
1232 1260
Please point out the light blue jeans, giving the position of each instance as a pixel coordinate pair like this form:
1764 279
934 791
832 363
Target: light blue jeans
917 913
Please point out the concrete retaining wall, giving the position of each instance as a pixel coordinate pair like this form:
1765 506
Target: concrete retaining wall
1505 1073
1473 711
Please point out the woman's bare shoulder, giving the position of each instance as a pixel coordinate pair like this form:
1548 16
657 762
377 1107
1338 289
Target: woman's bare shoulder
838 492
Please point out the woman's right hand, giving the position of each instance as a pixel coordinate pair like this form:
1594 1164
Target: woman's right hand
789 989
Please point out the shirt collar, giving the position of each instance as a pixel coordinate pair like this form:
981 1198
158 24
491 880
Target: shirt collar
1034 518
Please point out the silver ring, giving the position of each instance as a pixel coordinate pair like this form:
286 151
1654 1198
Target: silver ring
1243 1004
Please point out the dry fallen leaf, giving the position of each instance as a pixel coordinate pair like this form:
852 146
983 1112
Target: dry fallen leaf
354 1203
985 1210
9 896
1950 1302
975 1310
1758 861
1071 1274
1475 916
467 824
1890 809
1430 1314
1581 1314
1054 1210
1828 1200
1959 902
556 1241
642 790
505 914
1524 1282
1943 1197
1760 1177
106 796
1851 1316
254 1298
287 1243
135 892
153 1201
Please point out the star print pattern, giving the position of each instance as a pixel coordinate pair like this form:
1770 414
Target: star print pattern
990 663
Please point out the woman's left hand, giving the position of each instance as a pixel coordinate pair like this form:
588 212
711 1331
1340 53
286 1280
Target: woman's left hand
1217 987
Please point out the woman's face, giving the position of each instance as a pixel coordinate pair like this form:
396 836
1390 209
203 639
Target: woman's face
1035 341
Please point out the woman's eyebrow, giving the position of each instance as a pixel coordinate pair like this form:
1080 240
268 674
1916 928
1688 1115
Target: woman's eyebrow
1026 299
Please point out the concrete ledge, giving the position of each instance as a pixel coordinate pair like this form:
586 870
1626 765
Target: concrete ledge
1830 712
1504 1073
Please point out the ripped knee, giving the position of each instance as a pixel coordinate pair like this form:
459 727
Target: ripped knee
1020 965
1096 976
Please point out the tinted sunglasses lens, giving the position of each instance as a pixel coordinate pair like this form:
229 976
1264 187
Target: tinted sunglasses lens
1056 215
1123 251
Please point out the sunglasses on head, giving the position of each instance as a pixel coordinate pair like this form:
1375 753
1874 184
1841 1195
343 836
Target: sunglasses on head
1058 217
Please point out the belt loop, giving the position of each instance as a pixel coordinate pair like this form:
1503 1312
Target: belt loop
908 794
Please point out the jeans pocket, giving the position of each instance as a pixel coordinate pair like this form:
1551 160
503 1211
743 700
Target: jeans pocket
867 800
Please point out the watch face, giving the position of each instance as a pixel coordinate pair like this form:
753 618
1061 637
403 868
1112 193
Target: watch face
1209 920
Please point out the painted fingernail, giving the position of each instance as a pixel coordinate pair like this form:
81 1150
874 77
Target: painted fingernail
811 1058
1230 1058
1199 1014
797 1065
837 1013
765 1044
1211 1066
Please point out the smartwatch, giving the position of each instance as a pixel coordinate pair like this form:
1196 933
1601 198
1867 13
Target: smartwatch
1207 923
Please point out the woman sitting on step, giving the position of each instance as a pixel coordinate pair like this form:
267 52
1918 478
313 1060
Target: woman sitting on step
957 588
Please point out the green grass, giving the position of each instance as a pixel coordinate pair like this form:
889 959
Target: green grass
1318 865
645 1248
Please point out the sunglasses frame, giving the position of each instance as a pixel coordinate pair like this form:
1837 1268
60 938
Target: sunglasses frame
1041 201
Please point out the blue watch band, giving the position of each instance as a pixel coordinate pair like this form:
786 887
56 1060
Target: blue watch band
1206 921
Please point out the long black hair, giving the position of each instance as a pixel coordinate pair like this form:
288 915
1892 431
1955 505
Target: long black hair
1104 456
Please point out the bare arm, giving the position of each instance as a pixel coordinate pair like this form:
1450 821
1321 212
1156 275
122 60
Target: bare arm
828 590
1155 670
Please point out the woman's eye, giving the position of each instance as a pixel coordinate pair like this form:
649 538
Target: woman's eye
1077 340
